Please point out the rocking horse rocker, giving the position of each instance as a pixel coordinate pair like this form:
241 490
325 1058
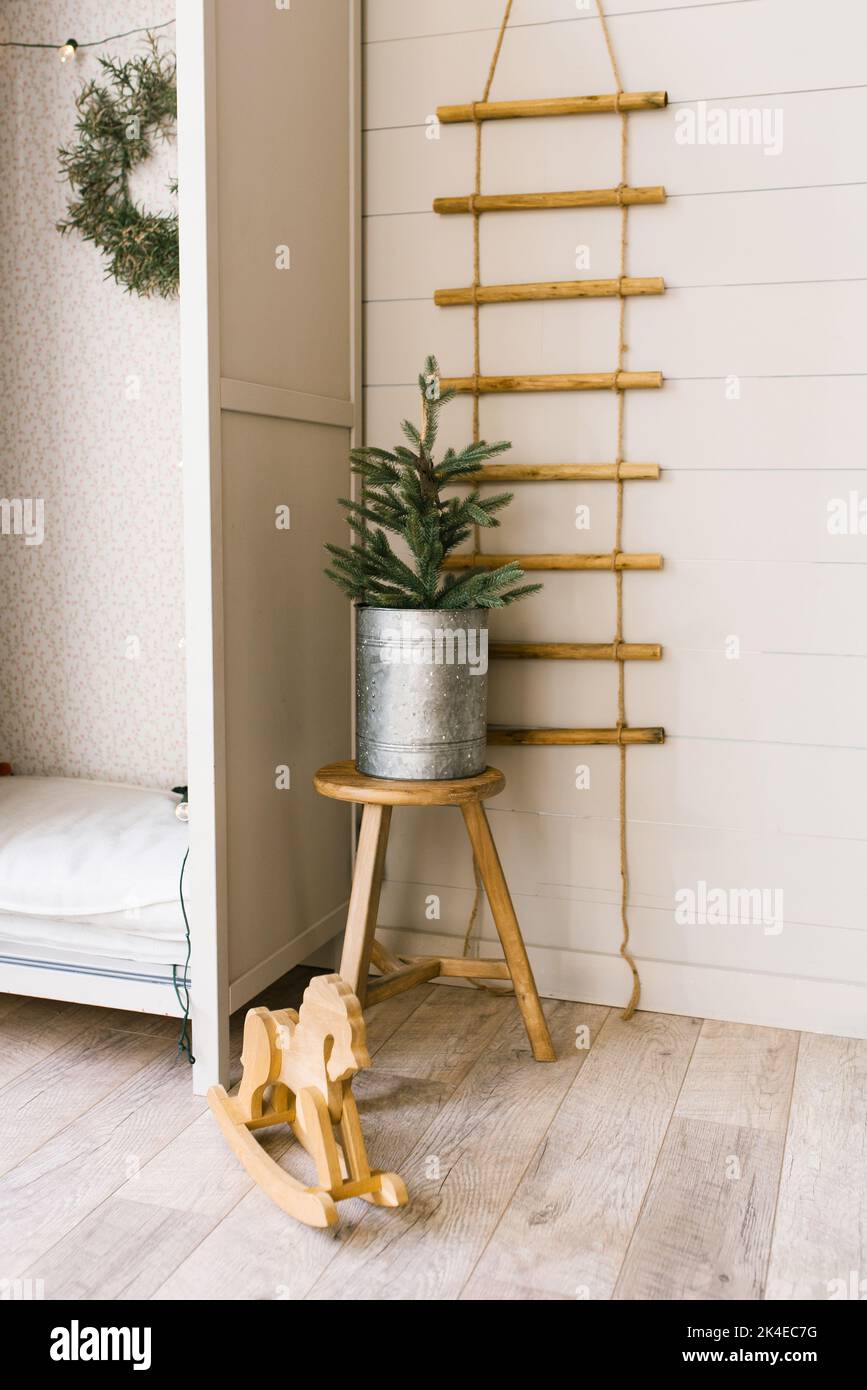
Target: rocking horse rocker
298 1070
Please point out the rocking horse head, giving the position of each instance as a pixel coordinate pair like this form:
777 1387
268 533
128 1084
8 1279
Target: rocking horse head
331 1009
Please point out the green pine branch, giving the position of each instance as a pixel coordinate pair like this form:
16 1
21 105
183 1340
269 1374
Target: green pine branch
402 495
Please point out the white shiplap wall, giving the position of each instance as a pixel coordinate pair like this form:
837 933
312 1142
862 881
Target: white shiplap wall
762 781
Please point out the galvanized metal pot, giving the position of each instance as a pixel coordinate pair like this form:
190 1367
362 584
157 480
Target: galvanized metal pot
421 692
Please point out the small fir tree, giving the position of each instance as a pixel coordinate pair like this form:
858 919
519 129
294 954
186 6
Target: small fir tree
402 495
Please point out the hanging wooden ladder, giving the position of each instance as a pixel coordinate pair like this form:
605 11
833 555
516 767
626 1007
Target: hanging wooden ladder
618 287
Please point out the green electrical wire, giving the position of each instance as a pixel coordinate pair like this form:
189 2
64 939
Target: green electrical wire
92 43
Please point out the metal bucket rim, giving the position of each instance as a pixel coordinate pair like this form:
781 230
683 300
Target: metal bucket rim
381 608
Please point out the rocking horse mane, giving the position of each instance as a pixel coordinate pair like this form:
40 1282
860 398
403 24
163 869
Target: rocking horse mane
329 1003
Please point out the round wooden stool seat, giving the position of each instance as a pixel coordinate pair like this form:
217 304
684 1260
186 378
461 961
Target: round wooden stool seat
342 782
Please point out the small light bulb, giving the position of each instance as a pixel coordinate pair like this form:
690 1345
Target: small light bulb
68 50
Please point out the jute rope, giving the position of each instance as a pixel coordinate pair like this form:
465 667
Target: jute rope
477 368
621 426
477 257
618 532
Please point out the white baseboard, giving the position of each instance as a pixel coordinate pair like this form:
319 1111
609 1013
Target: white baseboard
303 948
735 996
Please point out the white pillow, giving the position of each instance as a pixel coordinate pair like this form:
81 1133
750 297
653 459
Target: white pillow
70 848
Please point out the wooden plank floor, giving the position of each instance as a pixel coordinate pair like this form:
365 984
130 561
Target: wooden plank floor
665 1158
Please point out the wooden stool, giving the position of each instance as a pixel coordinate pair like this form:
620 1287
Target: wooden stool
342 782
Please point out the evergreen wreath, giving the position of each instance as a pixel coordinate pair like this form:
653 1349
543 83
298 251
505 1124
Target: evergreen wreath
402 495
119 119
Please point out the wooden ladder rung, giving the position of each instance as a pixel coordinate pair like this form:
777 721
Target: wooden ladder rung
576 651
532 202
552 106
564 381
558 473
616 560
627 286
567 738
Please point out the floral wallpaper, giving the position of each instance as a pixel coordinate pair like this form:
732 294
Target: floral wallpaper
91 565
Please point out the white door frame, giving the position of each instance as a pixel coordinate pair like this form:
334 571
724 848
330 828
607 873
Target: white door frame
206 876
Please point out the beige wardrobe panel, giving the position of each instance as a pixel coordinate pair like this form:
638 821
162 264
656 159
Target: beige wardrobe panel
284 181
287 639
269 138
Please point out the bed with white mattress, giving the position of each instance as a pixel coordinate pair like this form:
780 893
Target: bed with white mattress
90 902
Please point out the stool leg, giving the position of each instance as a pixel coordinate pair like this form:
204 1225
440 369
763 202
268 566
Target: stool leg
506 922
364 900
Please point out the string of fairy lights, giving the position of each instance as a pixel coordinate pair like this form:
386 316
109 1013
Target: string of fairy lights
70 47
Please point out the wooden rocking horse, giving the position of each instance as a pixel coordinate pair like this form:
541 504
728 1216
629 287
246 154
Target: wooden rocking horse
298 1070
